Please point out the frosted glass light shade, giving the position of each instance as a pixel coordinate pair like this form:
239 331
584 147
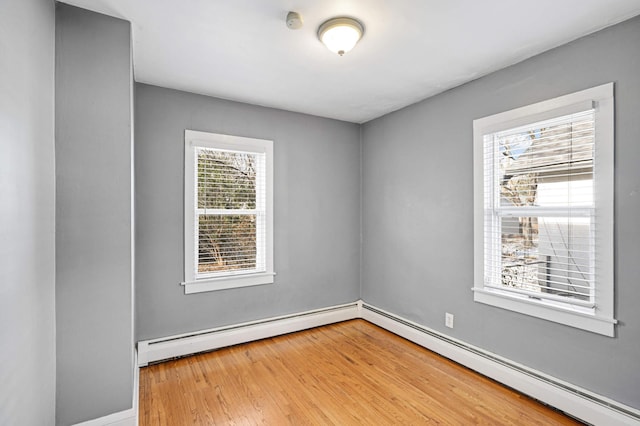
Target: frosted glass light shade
340 35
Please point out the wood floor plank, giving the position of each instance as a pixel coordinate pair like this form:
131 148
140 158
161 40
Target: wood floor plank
342 374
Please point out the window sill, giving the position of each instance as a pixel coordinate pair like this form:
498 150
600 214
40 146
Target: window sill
223 283
551 312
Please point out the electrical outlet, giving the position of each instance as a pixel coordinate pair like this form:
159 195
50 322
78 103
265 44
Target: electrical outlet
448 320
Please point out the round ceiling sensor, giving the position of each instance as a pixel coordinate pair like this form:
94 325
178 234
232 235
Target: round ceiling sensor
294 20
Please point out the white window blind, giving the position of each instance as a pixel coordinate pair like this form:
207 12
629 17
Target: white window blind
539 209
543 210
228 211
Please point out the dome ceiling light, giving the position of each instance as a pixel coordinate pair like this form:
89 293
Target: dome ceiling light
340 35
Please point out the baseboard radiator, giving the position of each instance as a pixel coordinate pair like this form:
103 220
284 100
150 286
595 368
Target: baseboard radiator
575 401
579 403
162 349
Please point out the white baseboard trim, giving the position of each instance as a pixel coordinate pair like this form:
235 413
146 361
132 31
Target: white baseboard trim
207 340
126 417
121 418
136 389
573 400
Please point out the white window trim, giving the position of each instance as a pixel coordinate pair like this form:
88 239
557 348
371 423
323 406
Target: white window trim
602 320
192 140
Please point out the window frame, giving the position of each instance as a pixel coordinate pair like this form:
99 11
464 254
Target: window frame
601 319
196 139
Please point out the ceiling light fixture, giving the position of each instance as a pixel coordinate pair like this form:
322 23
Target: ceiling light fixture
340 35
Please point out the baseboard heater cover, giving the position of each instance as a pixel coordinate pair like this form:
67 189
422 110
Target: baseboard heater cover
580 403
207 340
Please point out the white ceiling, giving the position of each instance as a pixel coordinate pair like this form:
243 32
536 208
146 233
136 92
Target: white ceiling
411 49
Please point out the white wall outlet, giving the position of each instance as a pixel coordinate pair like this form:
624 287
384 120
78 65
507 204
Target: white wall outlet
448 320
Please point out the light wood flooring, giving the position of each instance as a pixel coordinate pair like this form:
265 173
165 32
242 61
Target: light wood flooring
343 374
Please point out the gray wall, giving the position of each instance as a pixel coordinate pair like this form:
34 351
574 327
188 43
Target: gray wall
93 215
317 198
418 214
27 310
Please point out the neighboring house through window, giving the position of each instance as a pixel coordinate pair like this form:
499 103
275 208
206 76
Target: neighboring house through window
544 210
228 211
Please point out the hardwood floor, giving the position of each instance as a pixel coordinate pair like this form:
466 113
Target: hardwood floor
342 374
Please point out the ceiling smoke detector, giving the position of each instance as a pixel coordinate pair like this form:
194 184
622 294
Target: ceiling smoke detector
294 20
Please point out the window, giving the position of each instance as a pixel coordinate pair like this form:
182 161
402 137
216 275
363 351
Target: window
543 210
228 212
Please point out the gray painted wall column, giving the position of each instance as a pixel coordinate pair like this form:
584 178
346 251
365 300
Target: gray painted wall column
418 213
93 215
27 212
316 217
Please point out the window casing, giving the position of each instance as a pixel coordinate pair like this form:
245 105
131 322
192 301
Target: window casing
543 210
228 212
